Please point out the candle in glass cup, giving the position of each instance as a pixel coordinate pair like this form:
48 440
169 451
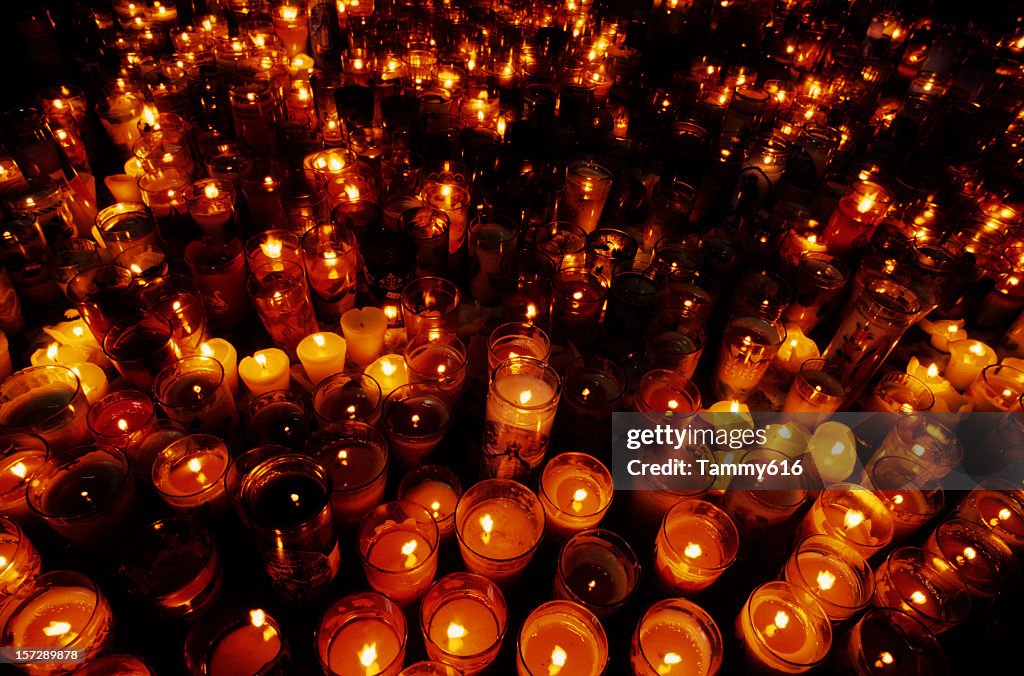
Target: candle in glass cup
291 25
819 280
816 389
416 417
48 401
587 186
272 245
697 542
188 474
521 404
924 586
193 393
236 642
211 203
676 637
565 244
500 524
489 238
364 330
920 438
463 618
856 215
837 576
526 276
265 371
577 298
908 491
356 456
575 491
783 629
140 346
667 393
997 389
322 355
330 254
281 296
454 201
125 225
887 636
114 418
363 633
19 560
853 515
441 360
561 635
21 456
102 294
607 249
218 269
516 339
979 557
348 395
398 547
436 489
748 347
277 417
430 305
598 570
163 192
998 506
389 371
428 228
175 297
63 610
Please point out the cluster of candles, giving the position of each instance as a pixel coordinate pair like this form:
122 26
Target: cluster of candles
407 219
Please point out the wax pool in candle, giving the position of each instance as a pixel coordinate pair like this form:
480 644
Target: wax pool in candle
438 498
402 563
690 553
574 495
830 580
675 647
189 472
464 626
62 617
525 390
560 643
246 650
499 529
365 646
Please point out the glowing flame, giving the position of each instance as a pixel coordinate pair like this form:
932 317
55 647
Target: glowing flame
368 657
289 13
211 191
918 597
57 628
884 659
692 550
19 470
781 619
933 371
969 553
352 192
1004 514
487 524
525 396
408 550
206 350
257 617
977 349
577 499
558 658
195 466
261 359
51 352
531 312
272 247
388 368
853 518
122 425
826 580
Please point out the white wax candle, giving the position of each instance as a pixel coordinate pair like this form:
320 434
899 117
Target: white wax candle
390 372
364 330
796 349
93 380
224 352
944 332
947 399
834 451
322 355
265 371
967 359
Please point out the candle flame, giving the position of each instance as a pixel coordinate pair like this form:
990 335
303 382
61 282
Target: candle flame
838 448
352 192
781 619
977 348
122 425
826 580
734 407
257 617
368 657
351 410
525 396
692 550
261 359
672 404
391 312
211 191
289 13
19 470
866 202
487 524
271 248
195 466
558 659
668 661
408 550
918 597
206 350
969 553
388 368
884 659
78 331
456 632
319 340
578 295
1004 514
933 371
853 518
57 628
577 499
441 368
531 312
51 352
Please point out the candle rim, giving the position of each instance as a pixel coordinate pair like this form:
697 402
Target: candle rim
577 460
834 550
723 526
185 449
621 551
509 491
516 366
54 463
426 391
29 373
370 533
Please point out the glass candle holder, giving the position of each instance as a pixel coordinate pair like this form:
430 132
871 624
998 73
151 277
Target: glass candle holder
211 204
281 296
516 339
430 305
565 244
286 500
898 392
416 417
172 565
979 557
522 400
998 506
921 439
592 388
454 201
837 576
348 395
218 270
696 543
85 494
356 456
21 456
254 116
575 491
236 640
856 215
758 507
676 635
783 629
463 618
560 634
19 560
125 225
114 663
272 245
261 183
820 278
163 193
398 548
114 418
500 524
102 295
436 489
176 299
143 446
924 586
140 346
526 286
47 401
23 254
587 186
277 417
147 263
633 303
885 636
489 239
997 389
816 389
441 361
748 348
188 474
66 259
908 492
852 514
607 249
363 633
429 229
598 570
193 393
330 254
577 298
63 610
666 393
164 150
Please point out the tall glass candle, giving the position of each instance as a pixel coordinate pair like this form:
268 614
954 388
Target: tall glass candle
218 269
463 619
281 296
416 417
330 254
103 295
748 347
521 404
398 548
516 339
430 305
500 524
587 186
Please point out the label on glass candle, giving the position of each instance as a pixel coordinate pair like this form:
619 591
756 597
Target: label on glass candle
510 451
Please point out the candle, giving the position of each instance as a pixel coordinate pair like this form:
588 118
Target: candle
561 637
292 26
362 634
817 388
65 355
783 629
995 505
441 361
943 332
21 456
47 401
322 354
454 201
281 296
193 393
500 524
795 351
667 392
967 359
748 347
516 339
92 379
347 396
521 404
218 270
437 489
833 448
398 548
926 442
576 491
856 215
838 577
19 561
947 399
390 372
924 586
676 637
851 514
898 392
188 473
211 203
598 570
885 637
463 619
331 256
140 345
225 354
998 389
266 370
587 186
247 647
430 305
416 418
117 416
907 491
578 296
356 456
273 245
978 556
364 330
696 543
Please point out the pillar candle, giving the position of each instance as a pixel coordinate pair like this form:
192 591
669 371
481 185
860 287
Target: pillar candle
967 359
265 370
322 354
390 372
364 330
224 352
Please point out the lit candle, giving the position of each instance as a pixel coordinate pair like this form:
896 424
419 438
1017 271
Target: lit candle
117 416
363 634
225 354
598 570
211 203
21 455
795 350
521 404
356 456
390 372
696 543
851 514
398 547
979 557
666 392
924 586
833 448
265 370
516 339
19 560
364 330
576 491
967 359
189 472
999 508
322 355
500 524
838 577
436 489
292 26
416 418
65 355
675 637
856 215
943 332
248 648
463 619
561 637
947 399
783 629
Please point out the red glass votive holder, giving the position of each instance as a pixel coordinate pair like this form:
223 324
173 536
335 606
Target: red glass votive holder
218 270
114 418
140 346
176 299
102 294
189 473
281 296
598 570
330 254
277 417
